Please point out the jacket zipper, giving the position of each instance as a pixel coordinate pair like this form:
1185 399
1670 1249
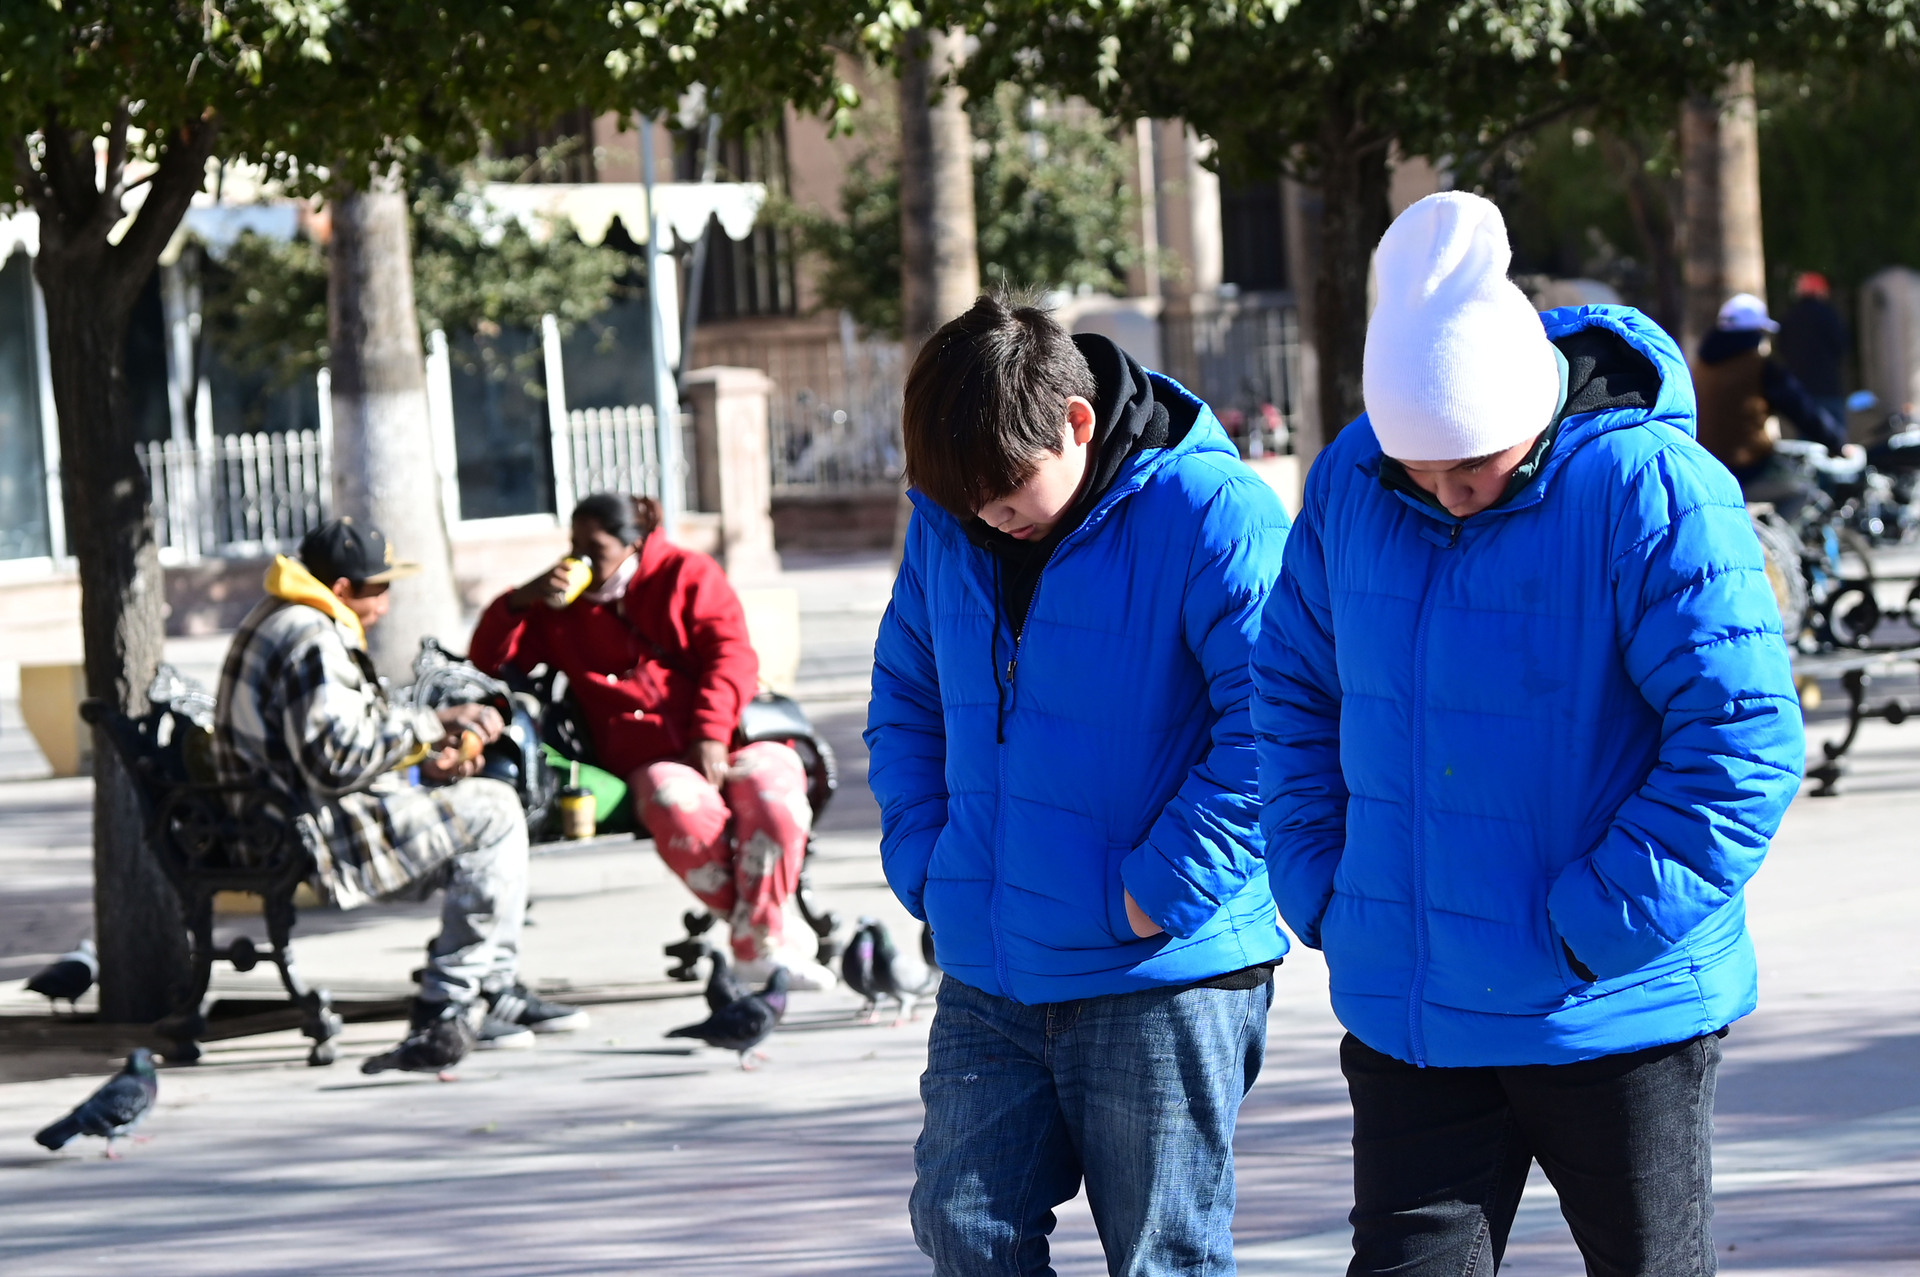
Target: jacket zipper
1000 798
1416 995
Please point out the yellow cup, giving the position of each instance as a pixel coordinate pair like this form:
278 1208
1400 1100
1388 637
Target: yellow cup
579 577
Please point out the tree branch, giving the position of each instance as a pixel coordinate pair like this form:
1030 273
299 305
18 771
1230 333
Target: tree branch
116 164
179 175
68 173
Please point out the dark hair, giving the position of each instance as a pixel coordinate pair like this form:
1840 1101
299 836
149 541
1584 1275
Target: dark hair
629 518
985 399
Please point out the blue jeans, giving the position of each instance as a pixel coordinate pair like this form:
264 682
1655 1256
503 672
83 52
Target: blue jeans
1137 1092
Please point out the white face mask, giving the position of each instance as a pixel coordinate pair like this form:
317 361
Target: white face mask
615 586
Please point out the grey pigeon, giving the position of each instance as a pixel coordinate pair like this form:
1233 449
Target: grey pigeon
904 979
723 989
856 967
114 1109
744 1023
66 977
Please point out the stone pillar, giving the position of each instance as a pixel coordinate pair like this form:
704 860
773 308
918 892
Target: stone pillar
1890 338
730 430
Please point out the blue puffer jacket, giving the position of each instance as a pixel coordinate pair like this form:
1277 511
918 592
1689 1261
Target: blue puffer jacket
1128 759
1566 723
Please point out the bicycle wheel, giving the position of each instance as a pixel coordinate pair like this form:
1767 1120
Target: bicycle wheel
1780 551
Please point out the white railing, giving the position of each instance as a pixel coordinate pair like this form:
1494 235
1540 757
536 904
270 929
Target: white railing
246 495
615 450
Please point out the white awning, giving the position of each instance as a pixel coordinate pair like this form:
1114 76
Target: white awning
590 207
20 231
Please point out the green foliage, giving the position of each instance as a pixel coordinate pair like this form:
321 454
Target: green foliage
264 307
1582 199
1051 204
1839 192
422 78
1278 84
1051 198
475 272
858 252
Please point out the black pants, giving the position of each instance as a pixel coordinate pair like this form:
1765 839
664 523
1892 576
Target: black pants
1440 1157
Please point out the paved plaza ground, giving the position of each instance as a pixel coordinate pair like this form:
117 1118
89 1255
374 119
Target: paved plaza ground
617 1150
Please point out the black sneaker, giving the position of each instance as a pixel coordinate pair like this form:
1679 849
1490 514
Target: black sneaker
521 1006
438 1037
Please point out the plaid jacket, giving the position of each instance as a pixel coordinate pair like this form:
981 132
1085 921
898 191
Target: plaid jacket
299 701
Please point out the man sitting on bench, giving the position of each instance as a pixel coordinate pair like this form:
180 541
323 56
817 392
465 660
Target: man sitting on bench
299 700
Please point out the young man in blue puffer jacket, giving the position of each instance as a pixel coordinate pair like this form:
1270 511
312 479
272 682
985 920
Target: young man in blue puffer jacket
1526 728
1065 768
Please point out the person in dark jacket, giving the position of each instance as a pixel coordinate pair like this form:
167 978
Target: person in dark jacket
1814 344
1526 727
656 655
1061 751
1739 386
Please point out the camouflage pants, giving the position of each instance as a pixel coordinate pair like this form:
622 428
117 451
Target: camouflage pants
468 840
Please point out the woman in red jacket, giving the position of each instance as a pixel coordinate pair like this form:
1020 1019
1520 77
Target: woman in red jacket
656 654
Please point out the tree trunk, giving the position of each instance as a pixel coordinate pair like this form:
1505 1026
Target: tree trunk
939 247
383 465
1650 205
90 287
940 264
1720 178
1354 214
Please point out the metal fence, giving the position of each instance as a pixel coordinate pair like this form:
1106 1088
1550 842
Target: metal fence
834 418
1241 355
614 450
245 495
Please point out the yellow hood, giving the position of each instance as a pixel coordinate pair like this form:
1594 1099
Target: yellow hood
289 579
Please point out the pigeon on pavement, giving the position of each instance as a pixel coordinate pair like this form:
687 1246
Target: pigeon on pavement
113 1110
897 976
723 988
744 1023
66 977
856 967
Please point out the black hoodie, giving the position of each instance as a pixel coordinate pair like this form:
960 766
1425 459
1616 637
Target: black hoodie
1127 419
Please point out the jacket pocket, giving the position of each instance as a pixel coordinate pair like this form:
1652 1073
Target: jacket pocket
1497 966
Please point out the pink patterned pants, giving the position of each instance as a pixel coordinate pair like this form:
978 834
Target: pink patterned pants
744 873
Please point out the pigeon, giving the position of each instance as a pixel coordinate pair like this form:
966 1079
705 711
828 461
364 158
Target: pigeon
723 989
899 977
113 1110
856 968
744 1023
68 976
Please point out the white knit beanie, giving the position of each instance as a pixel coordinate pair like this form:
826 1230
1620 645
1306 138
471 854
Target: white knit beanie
1457 364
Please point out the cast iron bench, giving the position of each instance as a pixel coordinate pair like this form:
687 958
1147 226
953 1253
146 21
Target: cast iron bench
211 838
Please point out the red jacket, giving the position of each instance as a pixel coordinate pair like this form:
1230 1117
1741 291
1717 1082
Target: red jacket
662 667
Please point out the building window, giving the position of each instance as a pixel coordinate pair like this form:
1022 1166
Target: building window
502 444
1253 240
753 276
24 532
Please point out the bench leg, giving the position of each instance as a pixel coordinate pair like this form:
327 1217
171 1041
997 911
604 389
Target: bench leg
319 1021
688 952
824 922
188 1022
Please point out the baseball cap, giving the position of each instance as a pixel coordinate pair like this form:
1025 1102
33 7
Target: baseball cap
1745 313
1811 283
359 552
